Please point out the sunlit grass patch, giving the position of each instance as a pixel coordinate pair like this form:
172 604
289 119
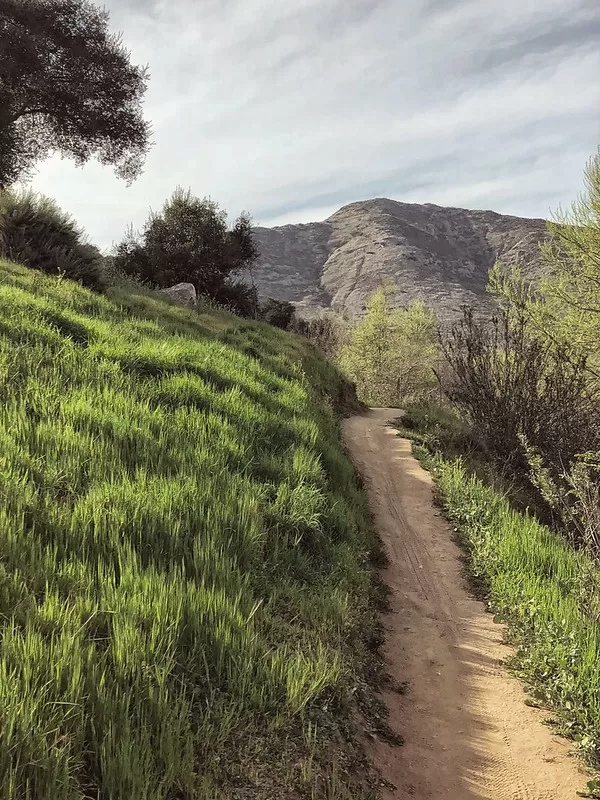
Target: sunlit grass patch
184 552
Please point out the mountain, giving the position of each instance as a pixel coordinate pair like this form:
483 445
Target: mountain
436 254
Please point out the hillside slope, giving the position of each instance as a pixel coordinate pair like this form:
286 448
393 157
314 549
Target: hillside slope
440 255
185 587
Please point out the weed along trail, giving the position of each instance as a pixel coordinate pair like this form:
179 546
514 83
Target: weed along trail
468 734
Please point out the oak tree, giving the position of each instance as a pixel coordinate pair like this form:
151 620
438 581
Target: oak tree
67 85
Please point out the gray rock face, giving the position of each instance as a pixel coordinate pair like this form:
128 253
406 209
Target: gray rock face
183 293
439 255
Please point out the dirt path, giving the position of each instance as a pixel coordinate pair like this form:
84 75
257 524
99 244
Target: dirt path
468 734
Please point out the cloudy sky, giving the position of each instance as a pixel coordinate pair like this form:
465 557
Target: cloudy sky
291 108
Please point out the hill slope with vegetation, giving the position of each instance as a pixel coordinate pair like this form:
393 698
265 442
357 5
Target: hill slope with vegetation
186 594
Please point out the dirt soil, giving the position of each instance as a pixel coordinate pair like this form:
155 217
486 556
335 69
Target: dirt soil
468 733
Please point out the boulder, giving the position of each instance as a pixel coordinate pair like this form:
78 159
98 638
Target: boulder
182 293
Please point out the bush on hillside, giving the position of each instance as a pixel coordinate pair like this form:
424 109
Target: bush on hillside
530 401
237 297
512 385
327 332
189 241
279 313
36 232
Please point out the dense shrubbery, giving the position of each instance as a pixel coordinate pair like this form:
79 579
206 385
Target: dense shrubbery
35 232
391 354
279 313
514 388
529 383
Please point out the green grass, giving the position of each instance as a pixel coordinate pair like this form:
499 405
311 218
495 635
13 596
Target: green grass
186 598
549 594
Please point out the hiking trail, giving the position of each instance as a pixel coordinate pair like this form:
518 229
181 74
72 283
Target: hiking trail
468 733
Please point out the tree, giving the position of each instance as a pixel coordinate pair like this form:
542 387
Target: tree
564 307
390 354
67 85
189 240
535 393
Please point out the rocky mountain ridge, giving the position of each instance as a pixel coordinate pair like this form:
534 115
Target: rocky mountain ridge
437 254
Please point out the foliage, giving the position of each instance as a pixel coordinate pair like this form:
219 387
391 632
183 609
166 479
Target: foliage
36 232
326 331
188 241
562 313
279 313
67 85
440 428
238 297
564 306
573 492
185 590
512 385
391 354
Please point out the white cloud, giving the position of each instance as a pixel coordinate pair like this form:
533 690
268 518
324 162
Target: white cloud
290 110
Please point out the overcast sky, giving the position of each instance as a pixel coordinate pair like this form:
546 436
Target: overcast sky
291 108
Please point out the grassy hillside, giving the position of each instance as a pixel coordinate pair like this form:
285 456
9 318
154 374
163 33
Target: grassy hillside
185 593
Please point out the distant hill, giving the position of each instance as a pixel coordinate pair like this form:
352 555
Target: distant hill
440 255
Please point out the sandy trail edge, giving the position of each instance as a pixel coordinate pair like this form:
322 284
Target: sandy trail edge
468 734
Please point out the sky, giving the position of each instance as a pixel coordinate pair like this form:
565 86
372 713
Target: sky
289 109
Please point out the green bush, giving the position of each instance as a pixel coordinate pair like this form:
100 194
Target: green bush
237 297
279 313
189 240
36 232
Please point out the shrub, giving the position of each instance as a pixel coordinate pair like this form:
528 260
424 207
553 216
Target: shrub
391 353
37 233
237 297
514 386
188 241
533 406
279 313
327 332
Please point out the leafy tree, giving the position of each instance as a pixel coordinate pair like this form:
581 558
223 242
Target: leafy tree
391 354
67 85
546 414
188 240
564 307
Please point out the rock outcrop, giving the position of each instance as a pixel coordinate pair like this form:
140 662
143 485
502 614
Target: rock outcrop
439 255
183 293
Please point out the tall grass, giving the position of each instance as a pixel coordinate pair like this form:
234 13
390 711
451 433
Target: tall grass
184 550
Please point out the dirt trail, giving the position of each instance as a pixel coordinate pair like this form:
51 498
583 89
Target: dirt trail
468 734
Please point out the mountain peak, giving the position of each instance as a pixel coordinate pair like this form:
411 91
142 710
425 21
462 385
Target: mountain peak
429 252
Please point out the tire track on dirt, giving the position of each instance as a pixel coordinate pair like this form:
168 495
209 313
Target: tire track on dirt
468 733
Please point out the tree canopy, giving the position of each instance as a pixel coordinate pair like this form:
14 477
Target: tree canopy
564 306
391 353
67 85
188 241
